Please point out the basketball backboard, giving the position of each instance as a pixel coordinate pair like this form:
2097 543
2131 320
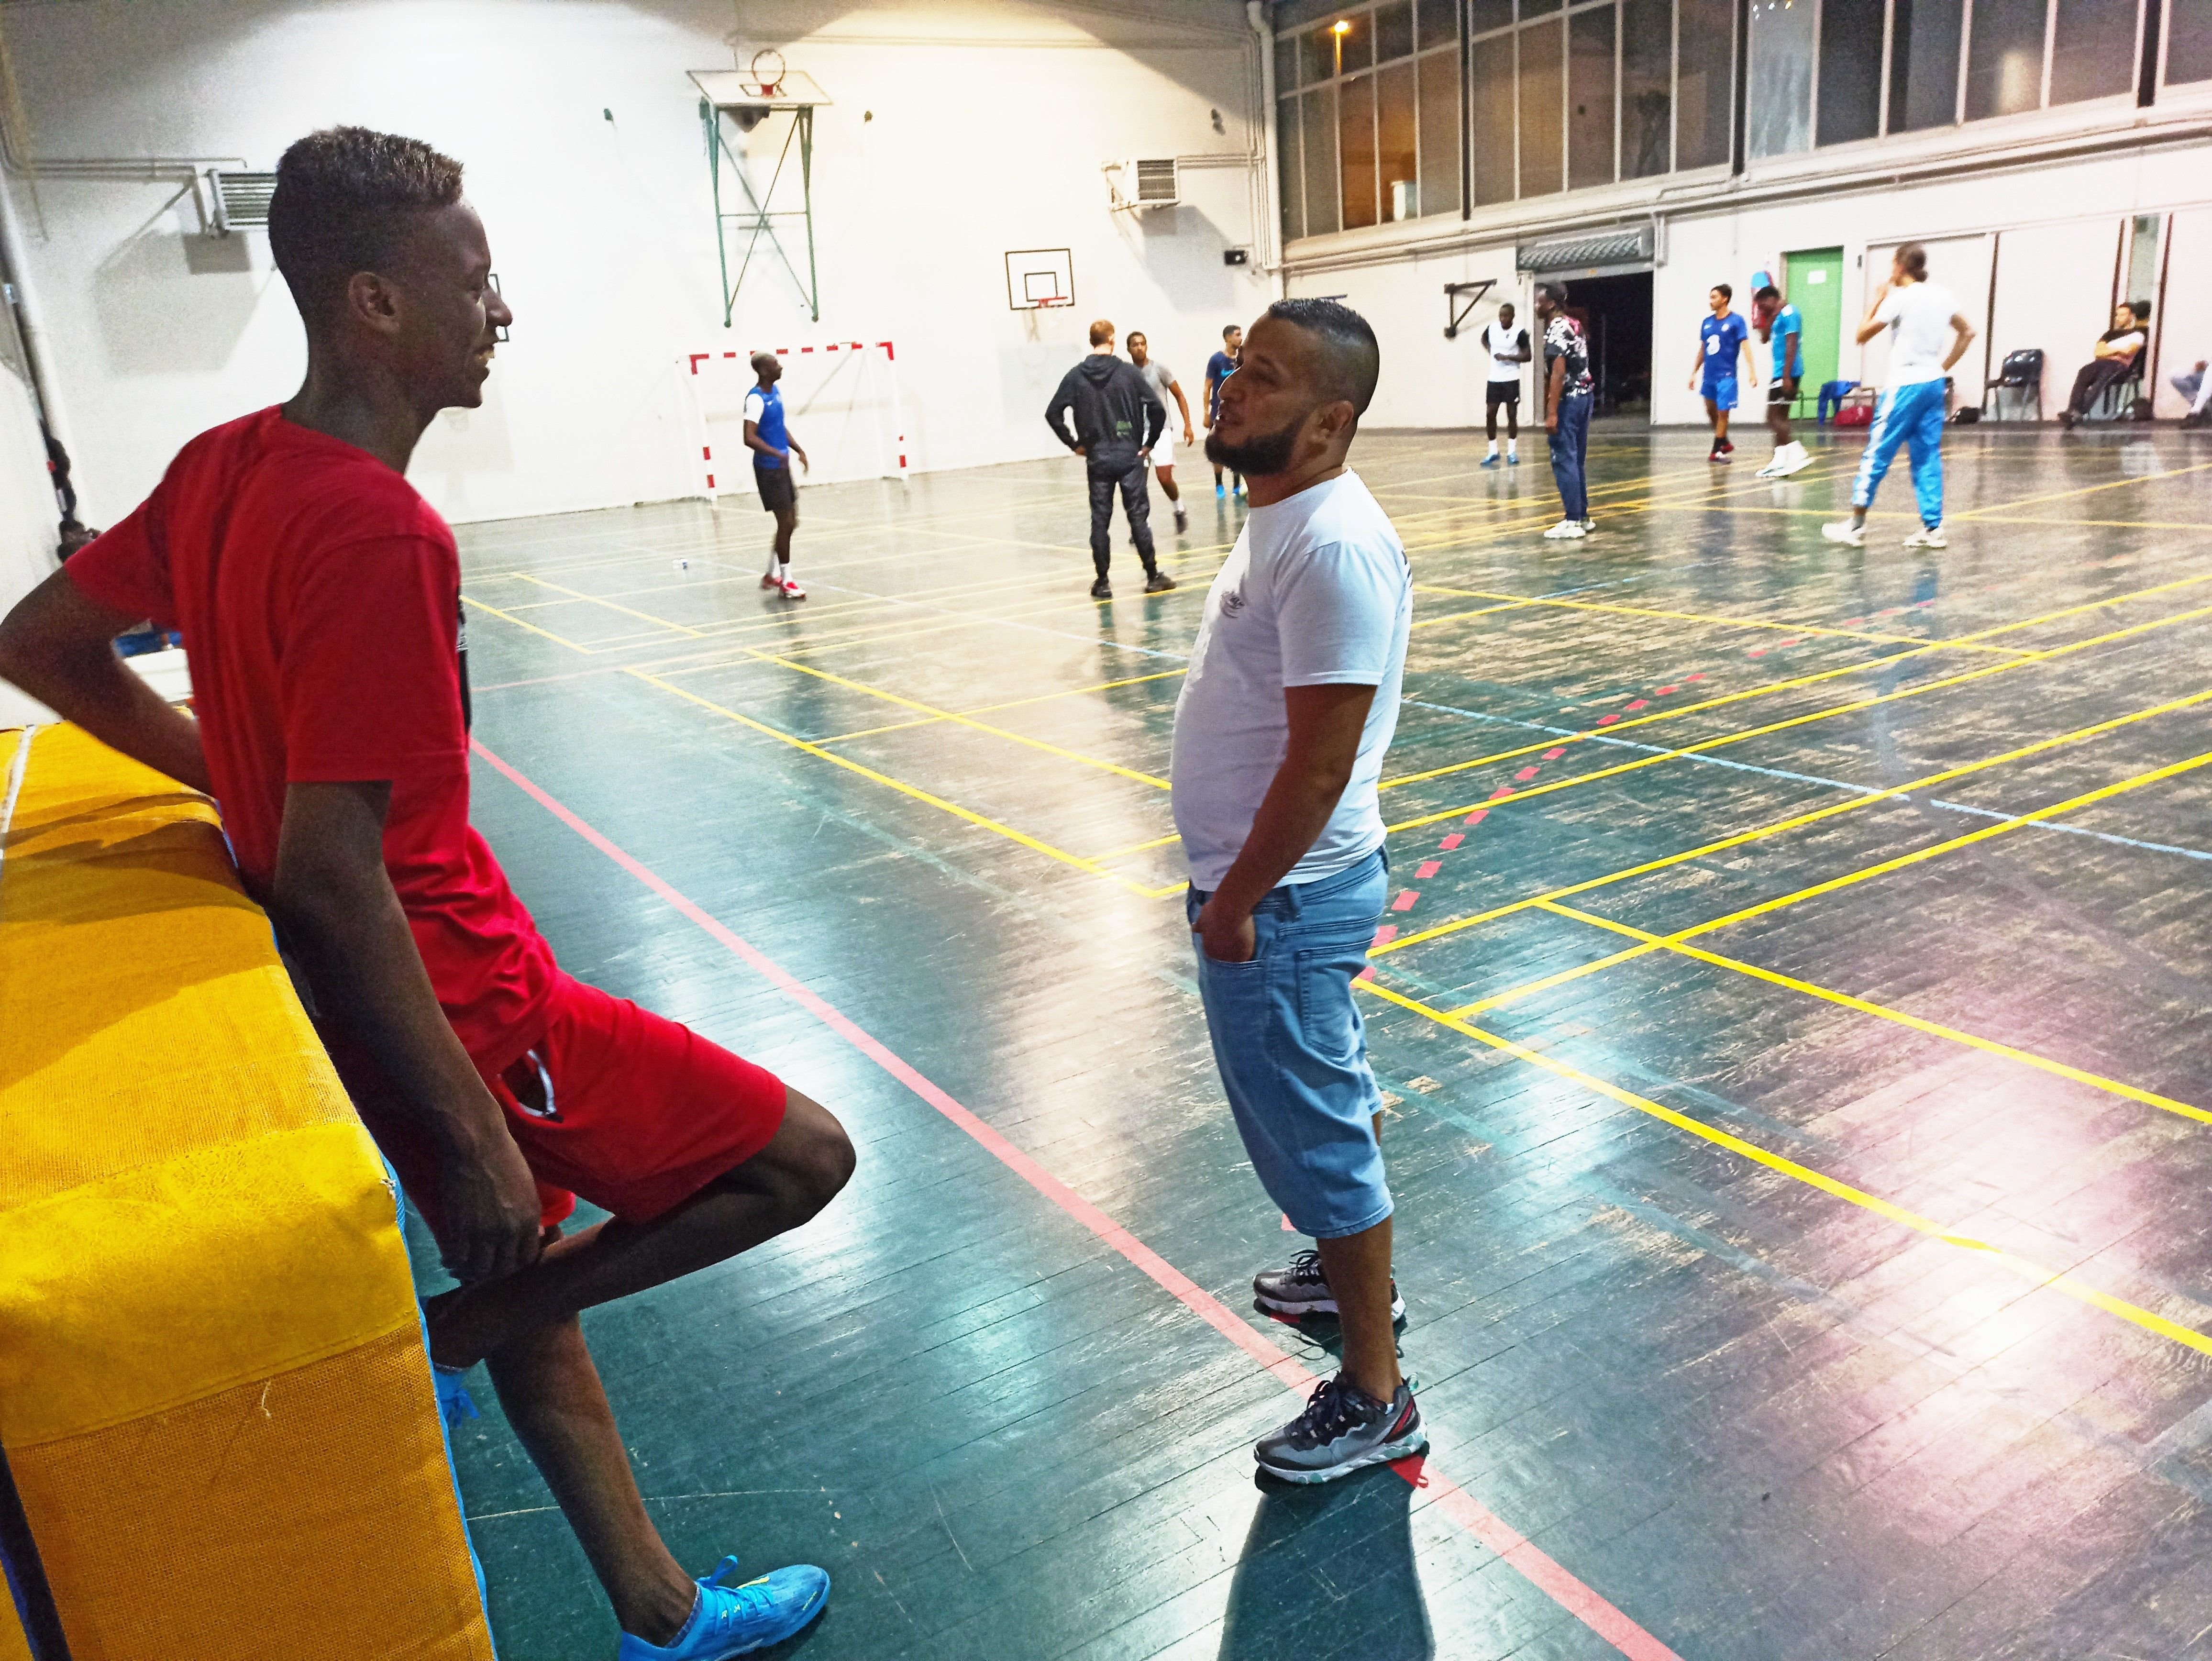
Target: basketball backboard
1040 277
738 90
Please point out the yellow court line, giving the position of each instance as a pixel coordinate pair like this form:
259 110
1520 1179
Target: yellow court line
1015 703
1925 687
936 713
2085 490
612 606
1868 1007
969 815
1864 874
1725 621
558 639
1795 821
2080 1291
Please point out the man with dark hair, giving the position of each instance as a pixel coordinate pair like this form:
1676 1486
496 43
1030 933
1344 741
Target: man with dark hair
2113 359
1290 703
1118 419
319 598
1162 380
1927 334
1509 350
772 447
1564 397
1781 323
1218 369
1722 338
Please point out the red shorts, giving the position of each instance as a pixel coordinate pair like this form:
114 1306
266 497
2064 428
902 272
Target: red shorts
631 1110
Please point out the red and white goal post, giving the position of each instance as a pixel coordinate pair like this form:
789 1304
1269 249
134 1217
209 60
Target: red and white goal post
840 400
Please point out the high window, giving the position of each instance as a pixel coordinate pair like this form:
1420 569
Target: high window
1367 114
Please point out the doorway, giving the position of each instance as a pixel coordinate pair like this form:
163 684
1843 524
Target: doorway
1812 282
1615 313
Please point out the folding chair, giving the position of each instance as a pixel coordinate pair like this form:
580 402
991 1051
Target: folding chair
2021 372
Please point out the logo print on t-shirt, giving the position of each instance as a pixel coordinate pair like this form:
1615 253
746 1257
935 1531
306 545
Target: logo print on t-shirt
1232 602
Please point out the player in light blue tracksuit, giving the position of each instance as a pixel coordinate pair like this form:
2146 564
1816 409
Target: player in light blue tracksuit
1918 313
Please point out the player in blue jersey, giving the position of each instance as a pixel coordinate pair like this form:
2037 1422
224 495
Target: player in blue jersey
1720 339
1780 325
772 447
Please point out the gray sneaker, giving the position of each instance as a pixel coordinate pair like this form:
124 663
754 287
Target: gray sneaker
1342 1430
1303 1289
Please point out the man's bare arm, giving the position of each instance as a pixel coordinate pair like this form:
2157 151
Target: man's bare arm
335 903
1964 331
58 645
1325 723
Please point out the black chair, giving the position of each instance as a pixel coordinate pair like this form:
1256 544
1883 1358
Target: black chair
2117 401
2022 372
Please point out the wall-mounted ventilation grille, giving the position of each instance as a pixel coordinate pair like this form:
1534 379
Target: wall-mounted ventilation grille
241 199
1157 186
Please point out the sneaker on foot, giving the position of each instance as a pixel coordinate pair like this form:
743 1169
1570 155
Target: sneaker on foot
1717 454
1773 468
1513 458
730 1621
1728 445
792 590
1342 1430
1589 525
1567 530
455 1404
1158 582
1219 490
1240 490
1302 1288
1928 536
1101 589
1796 459
771 581
1843 531
1490 460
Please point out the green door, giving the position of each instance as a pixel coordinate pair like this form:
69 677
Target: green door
1812 282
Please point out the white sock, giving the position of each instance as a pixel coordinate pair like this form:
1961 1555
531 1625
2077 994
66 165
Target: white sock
783 570
1493 447
1513 447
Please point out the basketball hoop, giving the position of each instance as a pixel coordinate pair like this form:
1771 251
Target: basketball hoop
767 71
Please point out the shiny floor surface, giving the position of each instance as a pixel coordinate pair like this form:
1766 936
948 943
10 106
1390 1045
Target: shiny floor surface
1792 1007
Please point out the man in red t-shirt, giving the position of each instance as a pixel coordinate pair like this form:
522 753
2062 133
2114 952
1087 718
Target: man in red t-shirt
319 600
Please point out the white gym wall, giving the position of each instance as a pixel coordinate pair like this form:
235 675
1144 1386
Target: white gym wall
990 121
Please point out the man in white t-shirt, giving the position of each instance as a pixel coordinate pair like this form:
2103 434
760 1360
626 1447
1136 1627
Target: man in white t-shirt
1509 350
1288 705
2115 357
1162 380
1923 320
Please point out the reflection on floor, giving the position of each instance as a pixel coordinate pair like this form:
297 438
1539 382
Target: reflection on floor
1792 1009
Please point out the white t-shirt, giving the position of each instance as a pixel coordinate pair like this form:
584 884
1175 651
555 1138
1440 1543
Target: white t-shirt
1317 592
1504 346
1919 317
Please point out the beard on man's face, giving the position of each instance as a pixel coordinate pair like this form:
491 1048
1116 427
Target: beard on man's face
1257 457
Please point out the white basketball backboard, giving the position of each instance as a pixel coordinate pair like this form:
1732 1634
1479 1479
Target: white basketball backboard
737 89
1040 277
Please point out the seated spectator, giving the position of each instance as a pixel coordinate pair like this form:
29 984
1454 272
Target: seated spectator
2113 359
2196 386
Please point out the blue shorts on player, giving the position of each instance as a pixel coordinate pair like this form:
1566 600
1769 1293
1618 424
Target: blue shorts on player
1720 392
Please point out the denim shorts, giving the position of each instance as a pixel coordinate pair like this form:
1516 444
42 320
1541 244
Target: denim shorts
1292 1048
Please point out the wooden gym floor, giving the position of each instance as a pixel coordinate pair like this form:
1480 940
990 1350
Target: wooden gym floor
1794 1029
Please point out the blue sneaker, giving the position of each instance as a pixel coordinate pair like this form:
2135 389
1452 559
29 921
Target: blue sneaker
1513 458
1491 461
453 1402
1219 490
737 1619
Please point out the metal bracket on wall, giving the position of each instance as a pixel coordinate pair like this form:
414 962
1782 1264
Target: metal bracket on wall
1460 299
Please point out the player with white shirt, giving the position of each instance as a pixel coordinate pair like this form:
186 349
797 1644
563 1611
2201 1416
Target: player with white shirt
1509 350
1290 701
1918 315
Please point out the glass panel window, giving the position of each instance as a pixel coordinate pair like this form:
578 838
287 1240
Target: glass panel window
1490 121
1439 192
1354 34
1924 63
1484 15
1542 107
1397 142
1355 149
1393 31
1647 87
2188 40
2004 58
1538 8
1319 148
2093 50
1704 90
1286 63
1850 69
1294 169
1589 97
1778 108
1439 22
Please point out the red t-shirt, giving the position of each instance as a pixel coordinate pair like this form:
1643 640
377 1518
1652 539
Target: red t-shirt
319 598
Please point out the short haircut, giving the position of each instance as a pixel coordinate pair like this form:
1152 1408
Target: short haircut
1723 291
1769 292
343 202
2140 308
1231 328
761 360
1555 289
1914 258
1506 306
1101 332
1138 334
1351 362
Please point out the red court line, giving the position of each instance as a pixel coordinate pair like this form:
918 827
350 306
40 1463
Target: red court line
1535 1564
